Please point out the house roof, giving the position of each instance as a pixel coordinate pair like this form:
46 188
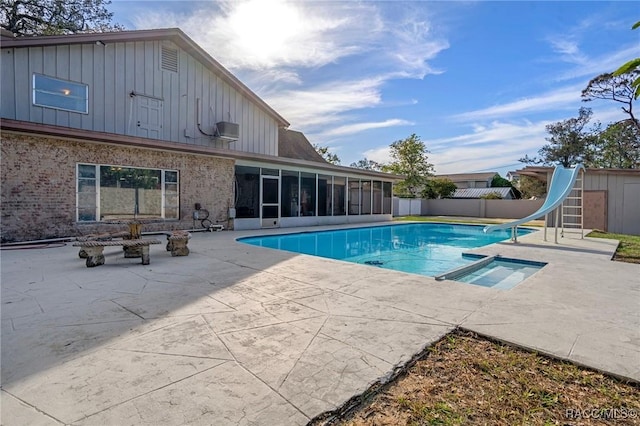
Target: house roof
174 35
479 192
292 144
462 177
541 172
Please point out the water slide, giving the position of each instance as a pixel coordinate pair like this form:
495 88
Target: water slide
562 183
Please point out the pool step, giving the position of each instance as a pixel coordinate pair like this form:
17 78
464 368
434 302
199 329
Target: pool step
465 269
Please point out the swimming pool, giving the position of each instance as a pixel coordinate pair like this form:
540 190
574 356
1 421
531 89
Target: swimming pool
419 248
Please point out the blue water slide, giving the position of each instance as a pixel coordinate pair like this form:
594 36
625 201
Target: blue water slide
562 183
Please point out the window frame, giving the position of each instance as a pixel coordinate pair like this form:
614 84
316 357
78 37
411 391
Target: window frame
35 91
163 186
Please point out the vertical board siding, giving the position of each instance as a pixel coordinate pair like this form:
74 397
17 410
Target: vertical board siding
8 90
129 85
22 84
75 74
120 103
113 71
109 88
37 65
199 114
87 66
98 90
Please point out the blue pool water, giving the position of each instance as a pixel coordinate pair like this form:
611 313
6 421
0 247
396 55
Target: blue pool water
420 248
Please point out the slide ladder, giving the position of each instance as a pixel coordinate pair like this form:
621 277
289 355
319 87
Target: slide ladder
572 209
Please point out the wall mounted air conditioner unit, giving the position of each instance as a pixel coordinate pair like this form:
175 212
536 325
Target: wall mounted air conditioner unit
228 131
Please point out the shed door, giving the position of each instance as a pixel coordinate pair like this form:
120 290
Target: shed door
149 117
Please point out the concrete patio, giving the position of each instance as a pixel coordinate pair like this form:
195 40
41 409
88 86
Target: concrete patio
240 335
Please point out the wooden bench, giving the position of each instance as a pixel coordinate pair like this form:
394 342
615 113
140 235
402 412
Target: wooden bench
177 243
94 249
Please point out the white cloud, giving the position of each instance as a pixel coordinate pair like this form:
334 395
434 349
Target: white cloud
266 34
324 104
563 97
275 46
485 148
360 127
569 50
413 45
601 64
380 155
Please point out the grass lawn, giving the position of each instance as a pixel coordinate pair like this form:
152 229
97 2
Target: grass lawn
465 379
628 249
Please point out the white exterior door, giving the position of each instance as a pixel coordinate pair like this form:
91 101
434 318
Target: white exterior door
149 117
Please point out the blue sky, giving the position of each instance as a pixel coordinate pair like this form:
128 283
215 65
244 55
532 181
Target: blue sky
477 81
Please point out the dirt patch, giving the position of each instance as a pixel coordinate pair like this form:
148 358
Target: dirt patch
466 379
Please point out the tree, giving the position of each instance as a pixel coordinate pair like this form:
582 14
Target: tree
618 146
366 164
48 17
439 188
500 182
618 88
409 158
570 143
632 66
531 187
329 156
491 196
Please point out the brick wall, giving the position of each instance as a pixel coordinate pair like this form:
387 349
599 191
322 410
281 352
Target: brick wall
39 185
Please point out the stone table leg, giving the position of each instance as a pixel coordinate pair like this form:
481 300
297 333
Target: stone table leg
133 251
145 255
95 256
179 247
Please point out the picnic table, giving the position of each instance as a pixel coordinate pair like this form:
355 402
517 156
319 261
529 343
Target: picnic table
135 225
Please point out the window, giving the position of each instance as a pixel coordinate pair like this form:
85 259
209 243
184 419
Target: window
365 199
386 197
87 193
339 184
247 192
290 190
324 195
108 192
354 196
377 197
171 195
60 94
307 194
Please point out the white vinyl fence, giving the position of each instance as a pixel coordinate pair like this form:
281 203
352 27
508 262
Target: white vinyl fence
505 209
